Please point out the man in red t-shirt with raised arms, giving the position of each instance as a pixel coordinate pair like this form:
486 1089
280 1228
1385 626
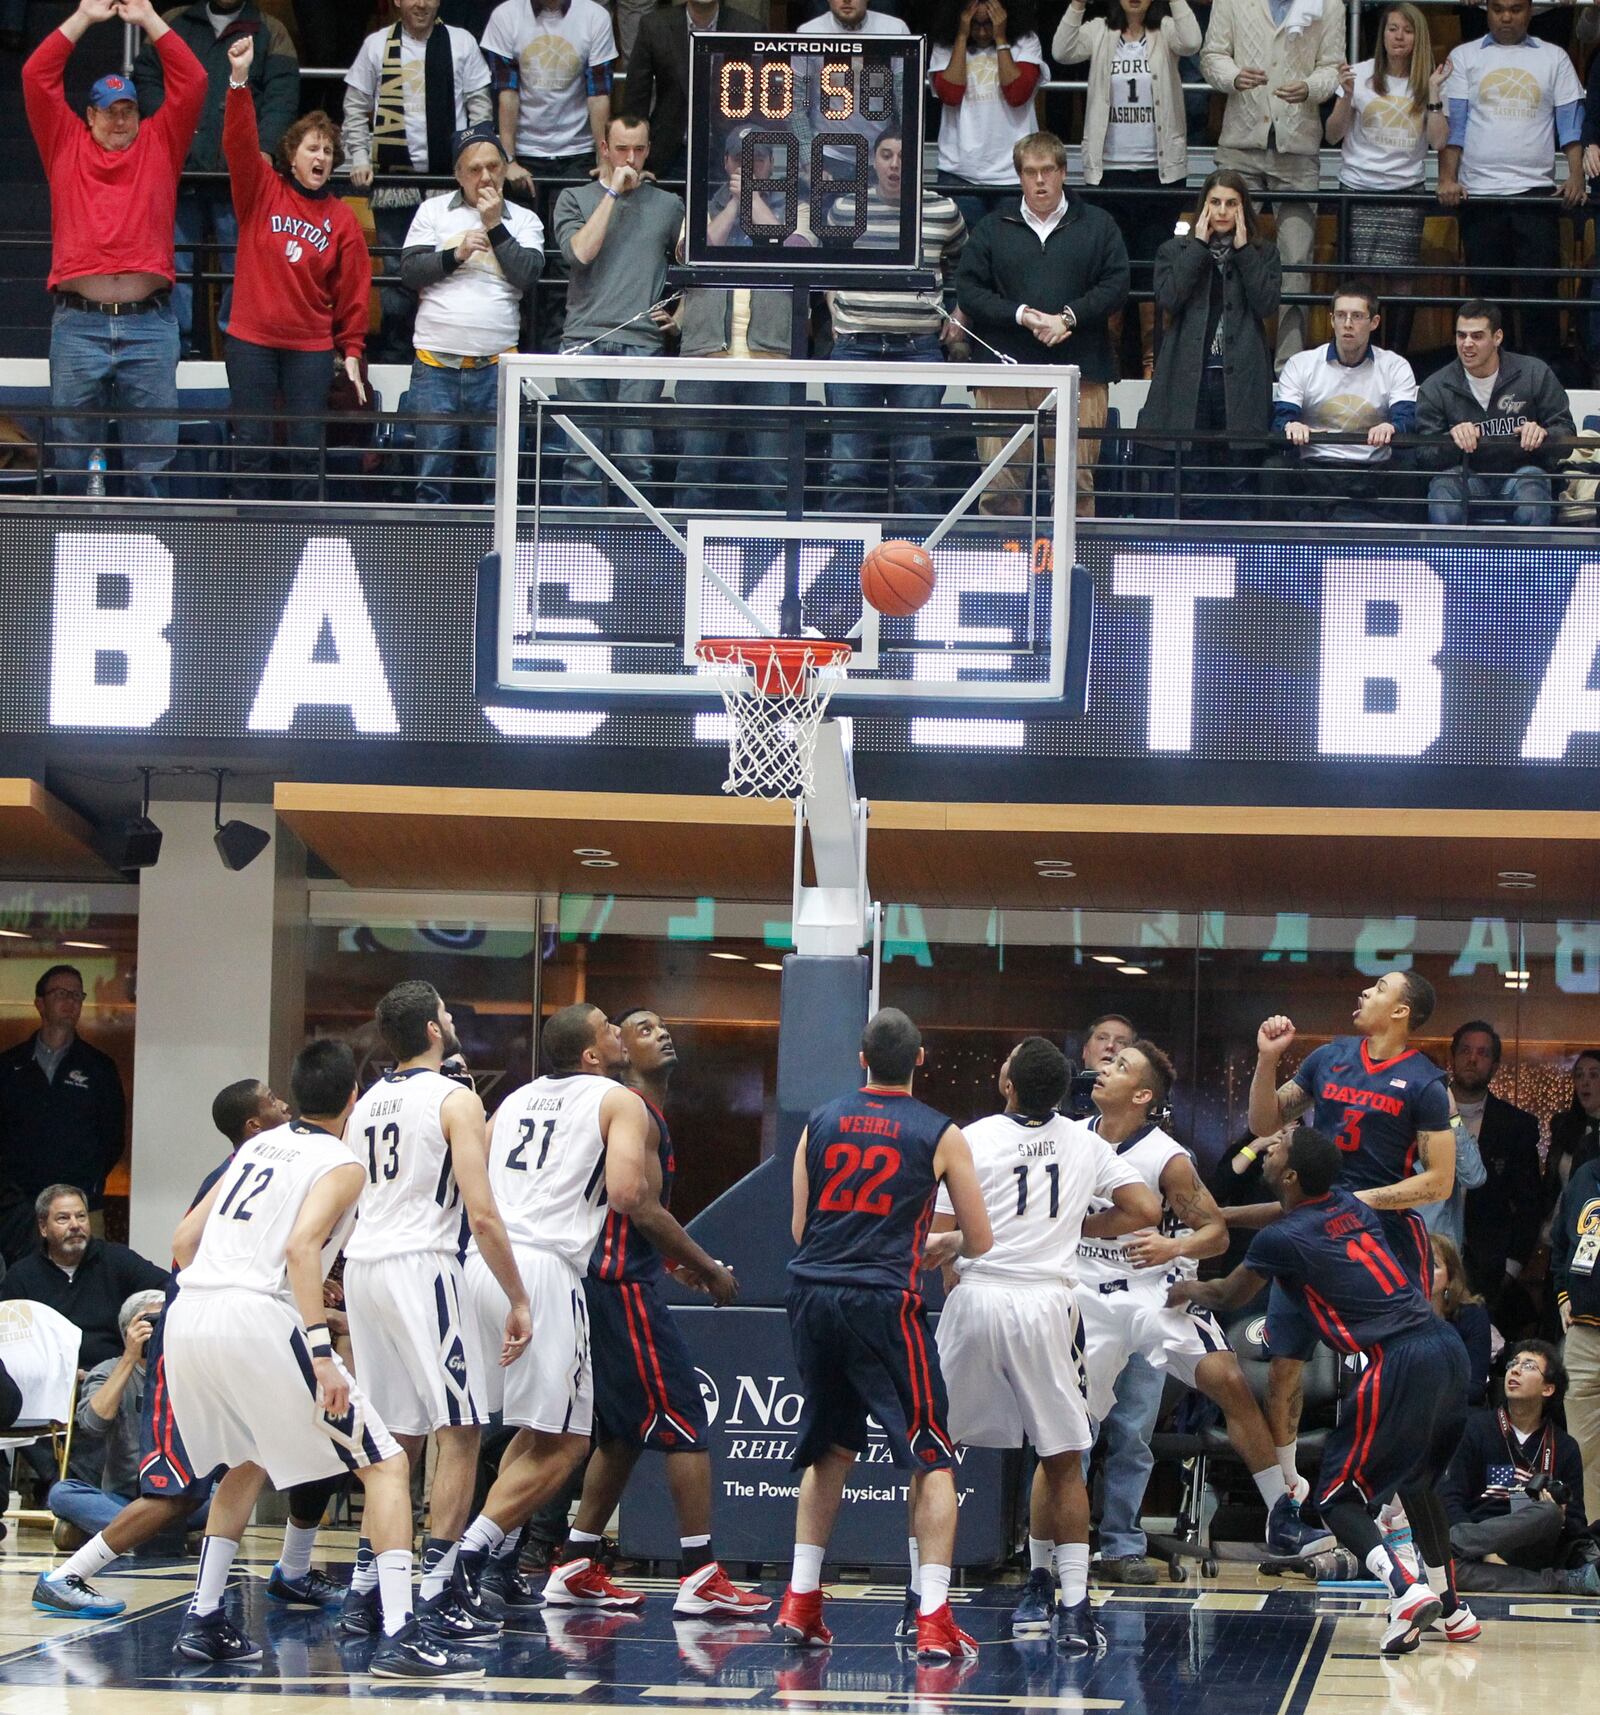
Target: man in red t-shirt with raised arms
113 193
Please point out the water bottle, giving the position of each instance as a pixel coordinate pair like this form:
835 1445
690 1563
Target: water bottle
97 474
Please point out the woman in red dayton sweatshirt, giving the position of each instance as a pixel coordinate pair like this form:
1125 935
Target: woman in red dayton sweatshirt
300 287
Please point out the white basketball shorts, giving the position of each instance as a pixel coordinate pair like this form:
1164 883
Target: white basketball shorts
1118 1323
243 1391
1012 1357
409 1340
551 1386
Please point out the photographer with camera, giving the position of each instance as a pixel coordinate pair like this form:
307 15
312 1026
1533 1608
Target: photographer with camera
1514 1490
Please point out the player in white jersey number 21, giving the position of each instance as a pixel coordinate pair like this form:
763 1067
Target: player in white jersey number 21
255 1383
1008 1327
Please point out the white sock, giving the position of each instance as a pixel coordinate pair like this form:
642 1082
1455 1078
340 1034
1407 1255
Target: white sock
365 1576
438 1562
806 1573
508 1549
583 1544
216 1558
93 1557
1271 1485
1382 1564
914 1582
1072 1571
1041 1554
1286 1463
935 1591
394 1588
483 1535
295 1556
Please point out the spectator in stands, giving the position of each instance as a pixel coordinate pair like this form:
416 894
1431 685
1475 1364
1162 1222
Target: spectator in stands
1390 112
1350 385
85 1278
113 190
1574 1240
1590 139
469 256
657 84
552 62
1514 1490
853 18
410 90
617 237
1501 411
1463 1309
1277 61
1511 98
1217 285
1574 1140
205 213
304 281
106 1428
891 327
62 1109
1134 132
1051 250
729 461
985 61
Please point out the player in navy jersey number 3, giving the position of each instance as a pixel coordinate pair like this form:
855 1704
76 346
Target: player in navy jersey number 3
1397 1433
866 1172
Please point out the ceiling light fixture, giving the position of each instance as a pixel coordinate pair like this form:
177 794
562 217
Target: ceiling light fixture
1058 874
767 967
1516 875
1132 971
1052 863
238 844
1107 958
600 863
591 851
739 956
15 935
87 946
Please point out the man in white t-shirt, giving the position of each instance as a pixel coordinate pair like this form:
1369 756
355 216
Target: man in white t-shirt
853 18
1512 99
471 256
410 88
1350 386
552 62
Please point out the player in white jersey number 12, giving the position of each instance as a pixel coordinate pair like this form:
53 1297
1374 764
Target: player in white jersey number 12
255 1382
1010 1339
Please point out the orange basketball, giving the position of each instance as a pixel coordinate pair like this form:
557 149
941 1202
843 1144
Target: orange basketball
897 578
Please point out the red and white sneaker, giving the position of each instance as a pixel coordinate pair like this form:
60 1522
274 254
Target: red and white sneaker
799 1620
939 1638
1461 1627
1410 1616
711 1591
584 1584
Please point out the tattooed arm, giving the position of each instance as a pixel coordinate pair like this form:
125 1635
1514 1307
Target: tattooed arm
1274 1105
1436 1150
1194 1207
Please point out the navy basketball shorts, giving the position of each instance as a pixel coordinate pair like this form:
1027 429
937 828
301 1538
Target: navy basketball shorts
1404 1420
865 1351
646 1389
165 1473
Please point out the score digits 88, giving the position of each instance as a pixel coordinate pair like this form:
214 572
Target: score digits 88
825 185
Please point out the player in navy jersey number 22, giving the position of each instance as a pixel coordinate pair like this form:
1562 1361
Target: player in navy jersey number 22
866 1171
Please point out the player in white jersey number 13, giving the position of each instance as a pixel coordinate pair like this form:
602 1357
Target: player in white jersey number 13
1010 1340
254 1380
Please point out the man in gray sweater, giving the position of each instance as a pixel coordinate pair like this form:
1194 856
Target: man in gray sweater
1503 412
617 236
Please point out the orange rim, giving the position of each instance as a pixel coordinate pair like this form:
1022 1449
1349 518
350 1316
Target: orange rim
781 664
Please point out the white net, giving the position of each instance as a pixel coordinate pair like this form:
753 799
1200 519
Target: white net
776 694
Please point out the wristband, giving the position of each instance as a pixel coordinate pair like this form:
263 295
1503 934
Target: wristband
1436 107
1250 1153
233 85
321 1340
609 192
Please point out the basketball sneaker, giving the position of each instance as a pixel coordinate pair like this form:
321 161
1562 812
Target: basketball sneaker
584 1584
1031 1616
1076 1630
213 1638
315 1590
506 1587
939 1638
905 1628
799 1620
447 1620
412 1654
361 1615
1410 1615
73 1598
1289 1538
1459 1627
711 1591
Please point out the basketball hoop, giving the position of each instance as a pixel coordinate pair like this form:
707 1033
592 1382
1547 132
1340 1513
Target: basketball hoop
776 691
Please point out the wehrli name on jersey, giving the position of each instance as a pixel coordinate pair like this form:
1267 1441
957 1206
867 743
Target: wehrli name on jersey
874 1125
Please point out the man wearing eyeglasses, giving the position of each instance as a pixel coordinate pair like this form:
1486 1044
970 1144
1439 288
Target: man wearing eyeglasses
63 1115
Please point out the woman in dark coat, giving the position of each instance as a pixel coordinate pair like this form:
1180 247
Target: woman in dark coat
1217 286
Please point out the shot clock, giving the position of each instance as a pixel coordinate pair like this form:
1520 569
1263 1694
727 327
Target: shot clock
781 136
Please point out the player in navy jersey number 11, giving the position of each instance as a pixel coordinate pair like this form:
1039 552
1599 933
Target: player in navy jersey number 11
866 1172
1386 1106
1398 1432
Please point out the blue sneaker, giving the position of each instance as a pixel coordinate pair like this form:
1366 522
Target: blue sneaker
906 1626
214 1638
74 1598
1288 1538
315 1590
1076 1631
361 1616
1031 1616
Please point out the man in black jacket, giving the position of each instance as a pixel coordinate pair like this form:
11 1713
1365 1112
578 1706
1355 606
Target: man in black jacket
1514 1490
1039 283
657 86
62 1111
1502 411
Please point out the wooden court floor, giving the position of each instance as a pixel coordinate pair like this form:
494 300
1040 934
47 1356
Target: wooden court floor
1238 1645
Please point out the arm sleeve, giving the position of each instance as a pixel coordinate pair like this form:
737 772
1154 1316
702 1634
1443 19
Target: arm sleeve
1182 266
1560 1246
139 1274
1110 290
603 49
1470 1171
1019 92
356 130
1330 53
1075 38
473 73
1261 274
521 264
88 1421
148 79
1182 30
111 1121
280 85
1569 123
352 288
567 219
241 150
186 96
1459 110
640 87
1569 1468
1522 1179
1217 65
975 291
422 266
951 94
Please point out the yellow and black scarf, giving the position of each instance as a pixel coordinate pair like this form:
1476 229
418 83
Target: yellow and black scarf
390 153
